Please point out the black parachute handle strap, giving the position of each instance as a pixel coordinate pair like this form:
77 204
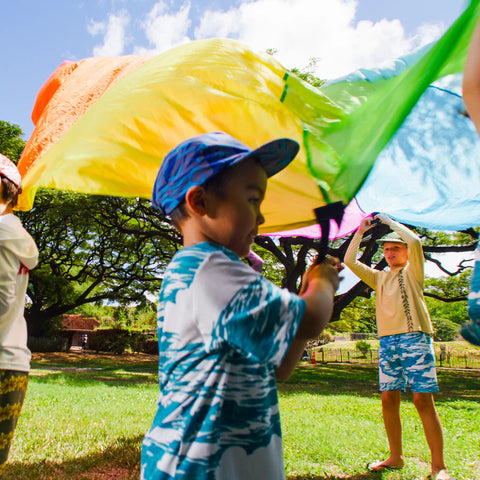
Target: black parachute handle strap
332 211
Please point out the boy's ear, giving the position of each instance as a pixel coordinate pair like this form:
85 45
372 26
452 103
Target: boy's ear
196 200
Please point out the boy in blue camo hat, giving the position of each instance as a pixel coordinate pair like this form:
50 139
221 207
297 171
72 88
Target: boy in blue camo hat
224 331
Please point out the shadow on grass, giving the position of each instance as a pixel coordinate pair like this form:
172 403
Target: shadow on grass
356 476
119 461
354 379
84 369
320 379
82 378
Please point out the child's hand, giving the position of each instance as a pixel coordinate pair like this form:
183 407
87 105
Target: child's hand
328 270
365 225
383 218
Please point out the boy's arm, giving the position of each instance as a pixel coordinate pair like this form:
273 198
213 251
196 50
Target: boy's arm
320 284
471 79
366 274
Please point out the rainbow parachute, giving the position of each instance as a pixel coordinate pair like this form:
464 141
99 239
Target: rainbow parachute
103 125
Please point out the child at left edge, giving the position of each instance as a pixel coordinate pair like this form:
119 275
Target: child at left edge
225 332
18 255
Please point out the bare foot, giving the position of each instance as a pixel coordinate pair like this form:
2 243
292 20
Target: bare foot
388 464
440 475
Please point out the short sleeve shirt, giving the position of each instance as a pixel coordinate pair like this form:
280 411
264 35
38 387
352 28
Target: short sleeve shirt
223 329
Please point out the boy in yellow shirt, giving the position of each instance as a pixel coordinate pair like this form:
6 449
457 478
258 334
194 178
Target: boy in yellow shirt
406 349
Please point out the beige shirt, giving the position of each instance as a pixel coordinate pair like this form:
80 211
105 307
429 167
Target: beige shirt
400 304
18 255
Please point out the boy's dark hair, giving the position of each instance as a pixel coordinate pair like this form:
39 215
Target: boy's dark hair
214 184
10 191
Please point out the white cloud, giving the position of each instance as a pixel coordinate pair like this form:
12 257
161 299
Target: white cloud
114 31
164 29
303 29
94 28
298 30
427 33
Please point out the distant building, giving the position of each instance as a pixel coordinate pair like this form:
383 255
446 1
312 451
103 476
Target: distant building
79 330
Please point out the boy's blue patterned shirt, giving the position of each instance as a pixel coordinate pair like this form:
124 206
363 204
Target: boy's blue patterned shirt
222 329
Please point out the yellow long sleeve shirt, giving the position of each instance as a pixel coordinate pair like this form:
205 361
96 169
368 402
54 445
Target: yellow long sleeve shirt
400 304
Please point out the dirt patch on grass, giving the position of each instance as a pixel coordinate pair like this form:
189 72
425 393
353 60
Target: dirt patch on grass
111 473
76 356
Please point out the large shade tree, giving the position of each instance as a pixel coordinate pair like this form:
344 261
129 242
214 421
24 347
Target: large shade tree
97 249
295 253
94 249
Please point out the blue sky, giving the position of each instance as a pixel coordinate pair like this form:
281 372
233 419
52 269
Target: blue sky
343 35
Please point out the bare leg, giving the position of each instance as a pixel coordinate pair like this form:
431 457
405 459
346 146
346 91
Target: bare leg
425 405
393 427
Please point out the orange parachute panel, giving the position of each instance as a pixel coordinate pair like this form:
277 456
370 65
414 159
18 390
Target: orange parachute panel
69 92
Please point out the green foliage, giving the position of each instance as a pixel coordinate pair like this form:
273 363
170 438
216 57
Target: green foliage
307 75
324 338
272 269
437 238
448 288
117 340
112 340
143 343
363 347
94 249
11 143
52 343
444 330
340 326
359 317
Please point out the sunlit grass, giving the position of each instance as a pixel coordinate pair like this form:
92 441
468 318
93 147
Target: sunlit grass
332 424
84 418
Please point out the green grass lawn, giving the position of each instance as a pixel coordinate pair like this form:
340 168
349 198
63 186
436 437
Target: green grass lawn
84 418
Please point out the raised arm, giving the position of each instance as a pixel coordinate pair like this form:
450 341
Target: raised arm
365 273
471 79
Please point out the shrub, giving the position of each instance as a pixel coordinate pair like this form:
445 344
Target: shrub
52 343
363 347
151 347
112 340
444 330
143 343
324 338
137 341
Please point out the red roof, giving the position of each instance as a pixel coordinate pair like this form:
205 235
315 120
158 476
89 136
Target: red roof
79 322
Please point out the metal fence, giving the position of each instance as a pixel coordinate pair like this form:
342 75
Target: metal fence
443 357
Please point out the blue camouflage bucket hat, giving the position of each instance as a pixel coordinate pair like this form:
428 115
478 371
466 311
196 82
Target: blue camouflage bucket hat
195 160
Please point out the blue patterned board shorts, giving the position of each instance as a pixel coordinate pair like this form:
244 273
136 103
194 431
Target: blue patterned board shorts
407 358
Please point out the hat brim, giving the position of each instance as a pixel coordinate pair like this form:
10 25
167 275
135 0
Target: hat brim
390 240
274 156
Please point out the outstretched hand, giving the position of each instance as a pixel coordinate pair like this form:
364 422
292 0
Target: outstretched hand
328 270
365 225
368 222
